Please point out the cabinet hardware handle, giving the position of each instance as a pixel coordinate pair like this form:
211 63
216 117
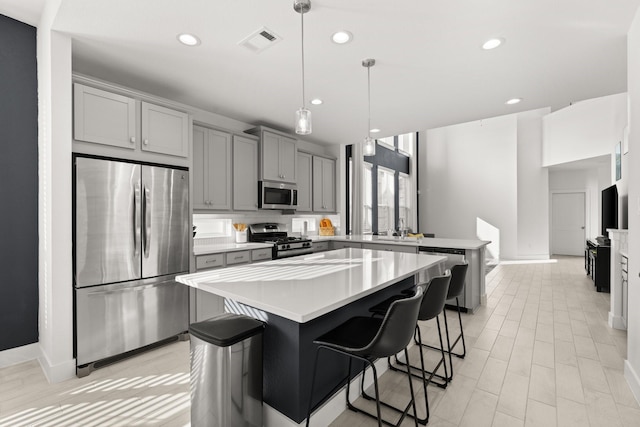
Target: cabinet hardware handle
132 139
210 261
146 142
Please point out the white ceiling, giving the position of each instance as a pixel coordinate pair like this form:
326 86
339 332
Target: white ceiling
430 69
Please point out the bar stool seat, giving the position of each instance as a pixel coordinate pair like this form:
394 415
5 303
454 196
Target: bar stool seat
369 338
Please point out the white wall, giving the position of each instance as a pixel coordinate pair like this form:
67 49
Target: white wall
488 170
533 184
584 130
54 169
632 365
469 171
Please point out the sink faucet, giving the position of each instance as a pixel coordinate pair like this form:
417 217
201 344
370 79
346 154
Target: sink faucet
403 229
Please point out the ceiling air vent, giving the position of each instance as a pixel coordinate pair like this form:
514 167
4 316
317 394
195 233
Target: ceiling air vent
260 39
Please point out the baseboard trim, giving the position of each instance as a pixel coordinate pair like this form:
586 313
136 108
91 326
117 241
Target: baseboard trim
21 354
616 322
57 373
632 379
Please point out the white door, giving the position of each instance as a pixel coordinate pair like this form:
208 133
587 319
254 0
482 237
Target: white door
568 224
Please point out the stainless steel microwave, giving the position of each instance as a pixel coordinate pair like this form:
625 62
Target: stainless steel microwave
277 195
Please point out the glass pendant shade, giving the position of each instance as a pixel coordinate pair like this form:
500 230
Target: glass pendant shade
303 121
369 146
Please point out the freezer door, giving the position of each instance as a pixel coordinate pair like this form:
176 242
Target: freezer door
114 319
107 243
165 231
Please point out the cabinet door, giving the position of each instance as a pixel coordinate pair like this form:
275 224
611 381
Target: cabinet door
304 182
200 166
245 173
219 169
288 158
164 130
104 117
270 157
324 184
329 184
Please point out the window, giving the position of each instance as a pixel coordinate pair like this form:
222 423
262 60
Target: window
388 188
386 200
367 200
406 143
404 200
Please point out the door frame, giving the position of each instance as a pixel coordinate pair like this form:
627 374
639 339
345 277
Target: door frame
587 212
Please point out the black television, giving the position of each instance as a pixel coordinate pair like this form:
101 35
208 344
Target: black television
609 209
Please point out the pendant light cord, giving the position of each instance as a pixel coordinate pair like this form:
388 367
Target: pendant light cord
369 98
302 43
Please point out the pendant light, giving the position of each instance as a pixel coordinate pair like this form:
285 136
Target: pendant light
369 146
303 116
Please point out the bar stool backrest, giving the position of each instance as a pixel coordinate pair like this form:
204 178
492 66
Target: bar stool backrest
434 296
397 327
458 276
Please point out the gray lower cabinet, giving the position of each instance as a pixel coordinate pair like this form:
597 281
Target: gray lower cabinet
245 173
341 245
321 246
208 305
211 169
305 179
324 184
391 248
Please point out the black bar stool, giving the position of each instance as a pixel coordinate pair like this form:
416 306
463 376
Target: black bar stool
456 288
371 338
432 305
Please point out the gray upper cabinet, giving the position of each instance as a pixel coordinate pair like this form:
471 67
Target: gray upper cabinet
305 167
245 173
324 184
103 117
120 121
211 169
278 155
165 131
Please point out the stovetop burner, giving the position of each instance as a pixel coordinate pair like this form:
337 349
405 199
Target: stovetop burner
283 245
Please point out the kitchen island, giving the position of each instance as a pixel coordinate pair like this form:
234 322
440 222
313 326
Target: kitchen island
456 250
302 297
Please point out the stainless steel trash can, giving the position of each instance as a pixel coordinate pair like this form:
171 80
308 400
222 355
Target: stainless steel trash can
226 372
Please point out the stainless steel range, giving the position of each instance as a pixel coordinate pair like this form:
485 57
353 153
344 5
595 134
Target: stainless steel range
283 245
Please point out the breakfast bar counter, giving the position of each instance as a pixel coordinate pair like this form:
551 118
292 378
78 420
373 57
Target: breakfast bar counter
302 297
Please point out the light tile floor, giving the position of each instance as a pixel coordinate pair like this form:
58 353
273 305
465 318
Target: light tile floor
540 353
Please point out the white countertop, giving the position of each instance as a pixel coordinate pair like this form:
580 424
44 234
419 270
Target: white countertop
305 287
227 247
409 241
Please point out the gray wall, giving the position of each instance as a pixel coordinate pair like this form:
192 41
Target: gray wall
18 185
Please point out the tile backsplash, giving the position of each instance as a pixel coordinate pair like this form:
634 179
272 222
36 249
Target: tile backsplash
218 229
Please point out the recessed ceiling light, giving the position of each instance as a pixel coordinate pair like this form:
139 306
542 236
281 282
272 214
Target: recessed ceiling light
513 101
188 39
492 43
374 130
316 101
341 37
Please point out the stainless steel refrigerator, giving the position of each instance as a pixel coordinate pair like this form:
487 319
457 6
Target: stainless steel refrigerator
131 238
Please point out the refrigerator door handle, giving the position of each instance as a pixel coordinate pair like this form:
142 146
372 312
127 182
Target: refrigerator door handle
147 221
136 220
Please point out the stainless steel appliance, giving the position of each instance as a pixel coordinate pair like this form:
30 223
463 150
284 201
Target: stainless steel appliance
131 238
277 195
283 245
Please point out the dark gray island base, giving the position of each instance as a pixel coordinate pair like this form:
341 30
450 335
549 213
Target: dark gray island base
289 353
301 298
